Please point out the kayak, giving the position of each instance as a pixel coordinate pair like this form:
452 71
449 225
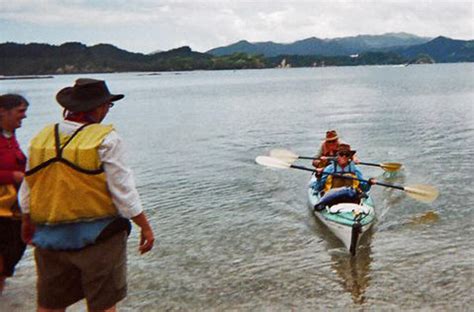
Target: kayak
348 221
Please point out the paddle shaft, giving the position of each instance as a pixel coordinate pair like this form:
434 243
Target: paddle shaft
332 157
306 157
350 178
425 193
302 168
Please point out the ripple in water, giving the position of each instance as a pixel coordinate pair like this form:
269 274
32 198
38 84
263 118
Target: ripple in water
236 236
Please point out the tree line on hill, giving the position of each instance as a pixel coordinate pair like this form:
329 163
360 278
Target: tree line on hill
74 57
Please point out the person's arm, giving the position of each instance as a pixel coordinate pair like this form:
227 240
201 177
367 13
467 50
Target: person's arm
364 186
6 177
11 177
12 162
27 228
318 155
320 183
122 188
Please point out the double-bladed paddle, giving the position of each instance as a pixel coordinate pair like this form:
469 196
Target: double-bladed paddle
421 192
290 157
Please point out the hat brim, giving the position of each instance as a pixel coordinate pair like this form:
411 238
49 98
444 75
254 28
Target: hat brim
116 97
351 152
65 99
332 139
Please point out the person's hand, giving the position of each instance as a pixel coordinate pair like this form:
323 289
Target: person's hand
146 235
316 162
18 176
147 240
372 181
319 171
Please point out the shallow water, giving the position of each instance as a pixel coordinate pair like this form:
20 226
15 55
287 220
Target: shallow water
237 236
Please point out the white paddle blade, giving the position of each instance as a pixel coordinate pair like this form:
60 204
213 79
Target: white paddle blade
283 154
422 192
272 162
391 166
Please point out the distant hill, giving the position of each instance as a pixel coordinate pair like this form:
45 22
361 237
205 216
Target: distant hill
326 47
75 57
442 50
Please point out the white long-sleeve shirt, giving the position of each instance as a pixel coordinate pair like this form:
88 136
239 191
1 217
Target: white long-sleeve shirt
119 176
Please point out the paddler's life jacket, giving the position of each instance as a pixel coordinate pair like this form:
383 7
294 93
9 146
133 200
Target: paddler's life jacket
66 179
335 181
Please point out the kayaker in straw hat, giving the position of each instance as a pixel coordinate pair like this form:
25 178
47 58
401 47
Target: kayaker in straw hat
77 198
343 166
327 150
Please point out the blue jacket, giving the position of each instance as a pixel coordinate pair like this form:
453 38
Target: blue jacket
335 168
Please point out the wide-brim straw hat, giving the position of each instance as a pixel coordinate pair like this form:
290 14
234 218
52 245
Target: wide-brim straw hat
85 95
345 148
331 135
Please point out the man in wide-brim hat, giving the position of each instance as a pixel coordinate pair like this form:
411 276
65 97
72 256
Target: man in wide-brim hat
343 173
345 149
86 95
76 200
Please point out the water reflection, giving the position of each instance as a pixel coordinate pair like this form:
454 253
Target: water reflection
428 217
354 271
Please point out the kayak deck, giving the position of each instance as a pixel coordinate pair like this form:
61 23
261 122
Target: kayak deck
347 221
349 217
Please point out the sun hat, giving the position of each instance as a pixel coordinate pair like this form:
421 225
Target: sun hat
331 135
345 148
85 95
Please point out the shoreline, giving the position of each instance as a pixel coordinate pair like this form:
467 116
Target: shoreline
178 72
19 77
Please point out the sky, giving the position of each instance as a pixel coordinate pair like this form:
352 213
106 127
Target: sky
147 26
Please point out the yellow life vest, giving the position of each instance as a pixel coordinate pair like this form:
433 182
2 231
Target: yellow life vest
335 181
8 196
66 179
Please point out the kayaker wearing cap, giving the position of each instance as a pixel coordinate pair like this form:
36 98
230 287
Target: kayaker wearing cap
76 201
342 166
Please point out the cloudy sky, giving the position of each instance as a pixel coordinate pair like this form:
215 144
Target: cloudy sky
151 25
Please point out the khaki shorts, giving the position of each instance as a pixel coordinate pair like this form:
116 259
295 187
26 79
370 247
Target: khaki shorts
97 273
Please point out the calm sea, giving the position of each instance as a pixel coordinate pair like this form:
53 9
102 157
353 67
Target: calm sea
233 235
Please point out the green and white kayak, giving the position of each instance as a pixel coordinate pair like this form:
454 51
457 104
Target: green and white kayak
347 221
